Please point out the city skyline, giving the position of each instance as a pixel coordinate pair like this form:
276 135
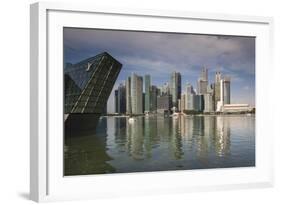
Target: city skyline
160 54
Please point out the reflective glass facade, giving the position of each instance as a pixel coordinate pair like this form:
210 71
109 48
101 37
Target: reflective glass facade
89 83
87 86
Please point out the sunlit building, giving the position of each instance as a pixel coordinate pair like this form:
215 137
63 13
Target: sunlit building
236 108
203 82
224 94
208 103
217 89
137 94
182 106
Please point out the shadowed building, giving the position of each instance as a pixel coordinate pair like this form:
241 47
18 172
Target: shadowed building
120 99
87 86
128 96
175 88
153 103
147 89
164 104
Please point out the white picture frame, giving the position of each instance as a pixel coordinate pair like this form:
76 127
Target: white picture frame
47 182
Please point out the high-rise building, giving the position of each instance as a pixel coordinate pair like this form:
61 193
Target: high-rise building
204 74
189 89
137 94
116 101
175 88
224 93
182 106
208 102
121 99
226 90
128 96
217 89
189 97
153 102
164 103
203 82
165 89
199 103
87 86
147 89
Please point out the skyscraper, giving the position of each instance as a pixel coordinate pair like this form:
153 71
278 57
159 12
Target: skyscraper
217 89
203 81
189 97
153 102
165 89
224 93
136 94
147 89
226 90
209 105
164 104
116 101
121 99
175 88
128 96
199 103
208 102
183 102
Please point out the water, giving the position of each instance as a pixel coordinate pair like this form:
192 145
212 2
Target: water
159 144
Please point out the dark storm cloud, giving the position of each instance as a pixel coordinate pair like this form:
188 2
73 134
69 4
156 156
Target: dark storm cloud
179 51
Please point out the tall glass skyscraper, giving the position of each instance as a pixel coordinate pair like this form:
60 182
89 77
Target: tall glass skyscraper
147 89
189 97
217 89
203 81
128 96
175 88
120 99
153 102
87 86
226 90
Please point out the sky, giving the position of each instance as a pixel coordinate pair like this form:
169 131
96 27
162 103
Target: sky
159 54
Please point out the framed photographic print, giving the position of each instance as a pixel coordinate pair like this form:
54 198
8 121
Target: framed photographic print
128 101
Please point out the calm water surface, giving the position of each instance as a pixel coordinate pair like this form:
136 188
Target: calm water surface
157 143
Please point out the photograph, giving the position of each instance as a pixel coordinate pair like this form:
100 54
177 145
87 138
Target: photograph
147 101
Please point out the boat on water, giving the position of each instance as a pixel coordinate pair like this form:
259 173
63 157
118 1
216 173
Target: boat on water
131 120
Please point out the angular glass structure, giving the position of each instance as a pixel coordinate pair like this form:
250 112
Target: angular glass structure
87 86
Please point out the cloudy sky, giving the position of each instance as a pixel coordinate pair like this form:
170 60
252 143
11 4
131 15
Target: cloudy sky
159 54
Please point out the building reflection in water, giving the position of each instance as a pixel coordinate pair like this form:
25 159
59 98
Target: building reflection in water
200 133
176 138
135 138
222 136
158 143
87 154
